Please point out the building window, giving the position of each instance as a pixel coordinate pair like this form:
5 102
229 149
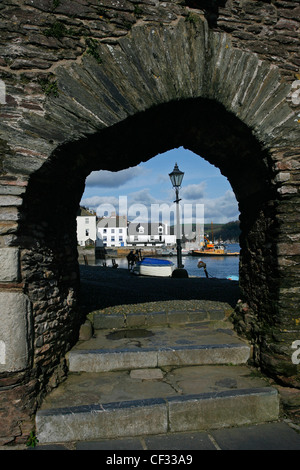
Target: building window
87 232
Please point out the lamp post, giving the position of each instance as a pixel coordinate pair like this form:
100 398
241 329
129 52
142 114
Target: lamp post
176 178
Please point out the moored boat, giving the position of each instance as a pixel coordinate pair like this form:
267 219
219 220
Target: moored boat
171 252
215 251
210 248
166 251
154 267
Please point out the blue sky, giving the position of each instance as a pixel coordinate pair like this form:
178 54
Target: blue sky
149 183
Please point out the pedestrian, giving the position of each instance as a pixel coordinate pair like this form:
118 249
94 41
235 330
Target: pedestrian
131 258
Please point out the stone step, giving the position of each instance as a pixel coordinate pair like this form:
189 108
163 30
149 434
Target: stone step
206 311
89 406
188 344
159 373
103 361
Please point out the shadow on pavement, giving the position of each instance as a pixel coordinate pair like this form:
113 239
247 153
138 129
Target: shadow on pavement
106 287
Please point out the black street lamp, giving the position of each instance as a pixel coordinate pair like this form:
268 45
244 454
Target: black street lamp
176 178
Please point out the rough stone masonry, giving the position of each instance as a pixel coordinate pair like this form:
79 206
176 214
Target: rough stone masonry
104 84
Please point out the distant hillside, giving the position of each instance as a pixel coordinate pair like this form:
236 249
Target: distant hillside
225 232
230 231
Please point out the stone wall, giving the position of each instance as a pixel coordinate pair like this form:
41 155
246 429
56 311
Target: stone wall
88 81
268 28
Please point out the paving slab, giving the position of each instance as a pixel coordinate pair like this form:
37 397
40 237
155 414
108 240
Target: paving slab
128 444
180 441
174 441
116 386
160 336
268 436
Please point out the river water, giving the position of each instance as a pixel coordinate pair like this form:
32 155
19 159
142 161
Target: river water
218 267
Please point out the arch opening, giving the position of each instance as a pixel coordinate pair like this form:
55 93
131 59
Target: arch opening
47 233
143 197
149 184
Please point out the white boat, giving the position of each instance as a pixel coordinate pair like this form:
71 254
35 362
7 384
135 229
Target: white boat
171 252
154 267
165 252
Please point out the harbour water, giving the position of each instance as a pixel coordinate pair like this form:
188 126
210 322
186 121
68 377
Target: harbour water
217 267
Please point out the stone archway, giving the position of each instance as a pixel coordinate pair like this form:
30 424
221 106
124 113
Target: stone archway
156 88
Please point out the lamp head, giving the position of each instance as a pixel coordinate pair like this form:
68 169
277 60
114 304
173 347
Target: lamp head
176 177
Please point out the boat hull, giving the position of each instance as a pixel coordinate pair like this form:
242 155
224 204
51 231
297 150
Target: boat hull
154 267
206 253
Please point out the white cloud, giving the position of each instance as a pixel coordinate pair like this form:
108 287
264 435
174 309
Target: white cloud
101 204
111 179
222 209
142 197
193 191
219 210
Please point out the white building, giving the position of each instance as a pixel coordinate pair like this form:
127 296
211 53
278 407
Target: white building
86 227
155 234
112 231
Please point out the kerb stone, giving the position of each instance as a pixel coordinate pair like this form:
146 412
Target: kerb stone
223 409
103 421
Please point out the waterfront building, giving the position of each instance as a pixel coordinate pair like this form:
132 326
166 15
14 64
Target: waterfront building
86 227
112 231
150 234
